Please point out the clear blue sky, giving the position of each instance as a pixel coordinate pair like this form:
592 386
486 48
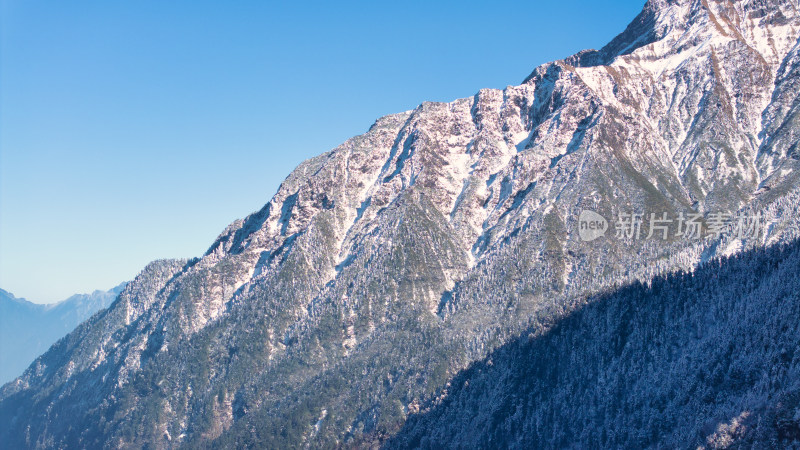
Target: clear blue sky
137 130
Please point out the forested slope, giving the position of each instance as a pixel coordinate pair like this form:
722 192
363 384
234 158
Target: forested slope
695 359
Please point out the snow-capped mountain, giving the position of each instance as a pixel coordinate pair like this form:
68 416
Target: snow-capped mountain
382 268
28 329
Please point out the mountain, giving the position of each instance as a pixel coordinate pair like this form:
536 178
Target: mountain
383 268
28 329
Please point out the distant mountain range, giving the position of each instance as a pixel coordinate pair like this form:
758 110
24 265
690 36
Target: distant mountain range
348 311
28 329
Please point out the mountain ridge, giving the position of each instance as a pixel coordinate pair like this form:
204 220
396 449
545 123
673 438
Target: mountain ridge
28 328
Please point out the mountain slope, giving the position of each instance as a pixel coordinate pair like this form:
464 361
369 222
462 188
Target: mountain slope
382 268
28 329
693 360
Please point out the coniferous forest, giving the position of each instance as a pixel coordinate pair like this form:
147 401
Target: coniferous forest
704 358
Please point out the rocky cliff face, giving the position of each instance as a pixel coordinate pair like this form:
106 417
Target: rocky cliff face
383 267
